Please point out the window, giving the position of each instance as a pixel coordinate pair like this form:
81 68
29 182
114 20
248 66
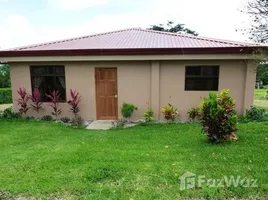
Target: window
47 79
201 78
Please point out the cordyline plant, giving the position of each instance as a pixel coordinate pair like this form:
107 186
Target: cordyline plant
54 97
23 100
218 117
36 99
75 100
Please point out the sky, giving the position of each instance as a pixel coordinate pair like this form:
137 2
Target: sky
24 22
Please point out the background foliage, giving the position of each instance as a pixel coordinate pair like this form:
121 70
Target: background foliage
5 96
4 76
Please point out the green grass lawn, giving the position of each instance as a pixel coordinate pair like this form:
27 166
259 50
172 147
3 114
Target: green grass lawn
260 99
40 159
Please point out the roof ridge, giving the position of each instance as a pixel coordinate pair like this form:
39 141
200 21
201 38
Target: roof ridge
197 37
69 39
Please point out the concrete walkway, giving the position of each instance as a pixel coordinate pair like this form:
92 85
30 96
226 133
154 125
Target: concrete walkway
101 125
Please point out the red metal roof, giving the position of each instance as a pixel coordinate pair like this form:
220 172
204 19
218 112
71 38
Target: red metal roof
131 41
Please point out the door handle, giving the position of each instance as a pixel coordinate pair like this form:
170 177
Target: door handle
115 96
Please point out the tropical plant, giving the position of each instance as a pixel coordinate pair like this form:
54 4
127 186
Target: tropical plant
193 113
127 110
23 100
36 99
75 100
54 97
218 116
170 112
148 115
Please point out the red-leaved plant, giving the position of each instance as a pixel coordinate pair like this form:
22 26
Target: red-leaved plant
54 96
36 99
75 100
23 100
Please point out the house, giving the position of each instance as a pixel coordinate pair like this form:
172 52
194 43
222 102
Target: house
143 67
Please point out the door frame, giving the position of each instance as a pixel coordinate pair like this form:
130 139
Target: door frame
96 93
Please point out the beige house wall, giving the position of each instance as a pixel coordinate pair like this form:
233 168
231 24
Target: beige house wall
172 73
143 83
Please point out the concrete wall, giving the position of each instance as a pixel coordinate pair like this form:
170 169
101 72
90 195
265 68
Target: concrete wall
143 83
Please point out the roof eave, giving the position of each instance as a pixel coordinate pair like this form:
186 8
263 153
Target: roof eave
142 51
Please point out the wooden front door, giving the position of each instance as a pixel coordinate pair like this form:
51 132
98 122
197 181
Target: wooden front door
106 93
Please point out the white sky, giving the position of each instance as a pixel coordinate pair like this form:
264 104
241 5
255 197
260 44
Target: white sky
30 21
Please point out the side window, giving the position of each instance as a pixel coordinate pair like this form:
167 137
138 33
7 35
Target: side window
201 78
48 78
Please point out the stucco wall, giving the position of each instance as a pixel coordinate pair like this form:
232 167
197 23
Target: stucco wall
172 73
138 84
133 85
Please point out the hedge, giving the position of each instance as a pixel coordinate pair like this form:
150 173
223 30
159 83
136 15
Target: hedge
5 95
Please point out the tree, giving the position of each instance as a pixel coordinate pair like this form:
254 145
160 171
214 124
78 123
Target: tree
258 11
264 78
4 76
262 68
170 27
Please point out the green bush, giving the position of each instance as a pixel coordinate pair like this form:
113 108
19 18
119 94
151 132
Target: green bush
148 115
9 114
255 114
127 110
218 116
5 96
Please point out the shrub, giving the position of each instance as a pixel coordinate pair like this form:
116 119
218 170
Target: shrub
193 113
55 98
75 100
9 114
218 116
148 115
127 110
5 96
255 114
65 119
36 99
23 100
47 118
170 112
